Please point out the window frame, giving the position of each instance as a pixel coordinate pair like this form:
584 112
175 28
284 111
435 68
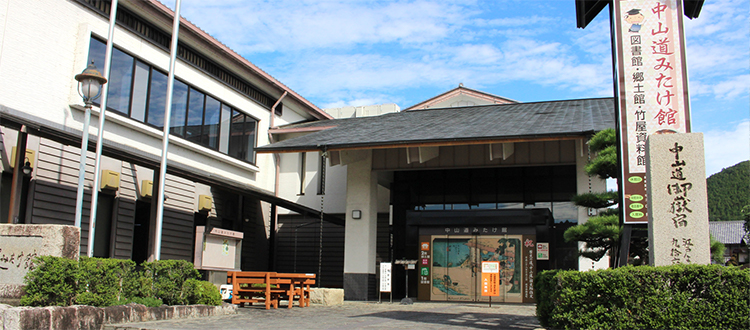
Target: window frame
167 121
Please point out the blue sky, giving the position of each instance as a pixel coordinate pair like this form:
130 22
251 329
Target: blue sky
338 53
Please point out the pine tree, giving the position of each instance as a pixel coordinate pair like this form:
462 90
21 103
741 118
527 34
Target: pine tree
602 232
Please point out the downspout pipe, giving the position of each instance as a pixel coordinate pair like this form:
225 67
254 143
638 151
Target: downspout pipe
277 161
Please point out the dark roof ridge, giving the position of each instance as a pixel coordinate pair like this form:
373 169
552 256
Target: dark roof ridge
512 104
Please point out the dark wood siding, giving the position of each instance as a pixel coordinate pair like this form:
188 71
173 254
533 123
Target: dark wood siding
306 258
177 226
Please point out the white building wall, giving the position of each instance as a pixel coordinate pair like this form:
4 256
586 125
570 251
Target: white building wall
45 43
289 183
585 184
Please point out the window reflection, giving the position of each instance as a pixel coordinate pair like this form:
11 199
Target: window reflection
211 123
140 91
121 73
195 116
179 108
157 98
97 49
236 133
226 116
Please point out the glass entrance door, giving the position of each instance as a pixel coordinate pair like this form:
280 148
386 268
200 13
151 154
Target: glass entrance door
457 261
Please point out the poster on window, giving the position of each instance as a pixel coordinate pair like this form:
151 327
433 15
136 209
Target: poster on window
652 85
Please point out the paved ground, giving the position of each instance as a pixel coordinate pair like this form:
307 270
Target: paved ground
364 315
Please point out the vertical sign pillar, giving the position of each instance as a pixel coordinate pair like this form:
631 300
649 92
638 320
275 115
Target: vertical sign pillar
677 204
652 86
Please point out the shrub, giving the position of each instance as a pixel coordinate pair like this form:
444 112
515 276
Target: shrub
102 281
672 297
201 292
54 282
167 278
148 302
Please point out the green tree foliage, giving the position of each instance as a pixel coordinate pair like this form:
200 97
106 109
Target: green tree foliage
728 192
57 281
600 233
717 251
200 292
167 278
53 282
671 297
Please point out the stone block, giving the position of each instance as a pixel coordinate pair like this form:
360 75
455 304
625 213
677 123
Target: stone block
139 313
89 317
63 317
116 314
677 200
9 317
162 312
20 244
34 318
327 297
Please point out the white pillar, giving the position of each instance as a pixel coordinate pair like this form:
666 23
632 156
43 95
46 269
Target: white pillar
360 238
585 184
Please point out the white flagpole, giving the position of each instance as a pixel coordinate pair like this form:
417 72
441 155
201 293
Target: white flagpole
99 138
165 140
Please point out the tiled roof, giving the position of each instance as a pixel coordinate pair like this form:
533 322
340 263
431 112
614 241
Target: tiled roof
538 120
728 232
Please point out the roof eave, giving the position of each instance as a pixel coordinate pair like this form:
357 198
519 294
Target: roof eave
424 143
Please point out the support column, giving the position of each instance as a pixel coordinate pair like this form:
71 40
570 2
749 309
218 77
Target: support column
586 184
360 236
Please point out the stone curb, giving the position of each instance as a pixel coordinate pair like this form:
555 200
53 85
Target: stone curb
95 318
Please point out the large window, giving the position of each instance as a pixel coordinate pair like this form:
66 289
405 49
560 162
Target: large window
139 90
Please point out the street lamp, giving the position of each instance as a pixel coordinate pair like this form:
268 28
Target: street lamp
90 83
27 167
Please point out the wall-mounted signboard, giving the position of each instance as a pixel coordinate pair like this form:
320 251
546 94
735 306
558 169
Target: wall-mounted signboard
217 249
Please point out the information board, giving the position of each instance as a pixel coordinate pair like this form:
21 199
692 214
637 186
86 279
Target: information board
491 278
385 277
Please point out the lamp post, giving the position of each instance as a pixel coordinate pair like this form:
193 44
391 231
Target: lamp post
19 172
90 83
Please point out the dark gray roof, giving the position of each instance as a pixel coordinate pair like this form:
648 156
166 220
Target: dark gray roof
497 122
728 232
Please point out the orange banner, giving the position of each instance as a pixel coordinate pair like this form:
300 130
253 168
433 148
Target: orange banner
491 278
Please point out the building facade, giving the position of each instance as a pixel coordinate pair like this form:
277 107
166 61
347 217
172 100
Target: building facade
458 179
451 183
222 107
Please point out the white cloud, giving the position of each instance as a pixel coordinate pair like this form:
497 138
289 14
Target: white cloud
717 50
738 86
293 25
725 148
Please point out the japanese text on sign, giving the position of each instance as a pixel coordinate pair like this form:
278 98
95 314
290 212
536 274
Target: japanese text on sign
652 85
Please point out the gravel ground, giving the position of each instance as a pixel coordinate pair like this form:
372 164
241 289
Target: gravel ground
363 315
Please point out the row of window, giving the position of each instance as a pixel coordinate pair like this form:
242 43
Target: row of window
148 31
139 90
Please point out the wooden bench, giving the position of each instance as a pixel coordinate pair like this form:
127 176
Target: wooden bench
299 287
270 287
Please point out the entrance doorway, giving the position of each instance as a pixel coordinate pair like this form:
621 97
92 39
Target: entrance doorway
141 230
457 265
